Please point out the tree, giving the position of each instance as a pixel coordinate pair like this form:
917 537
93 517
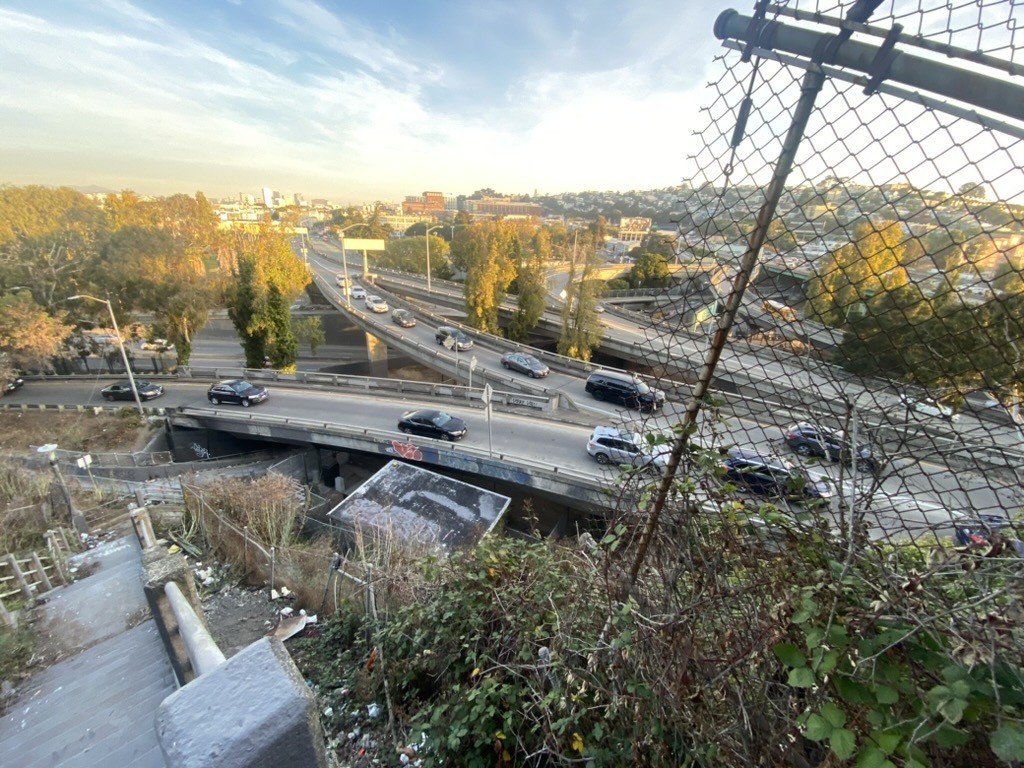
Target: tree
267 278
972 190
410 255
581 326
650 271
29 336
491 252
309 330
49 238
848 278
531 297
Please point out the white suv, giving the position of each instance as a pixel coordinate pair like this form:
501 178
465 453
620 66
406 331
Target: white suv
611 445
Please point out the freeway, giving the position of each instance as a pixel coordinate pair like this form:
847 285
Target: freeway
524 440
920 450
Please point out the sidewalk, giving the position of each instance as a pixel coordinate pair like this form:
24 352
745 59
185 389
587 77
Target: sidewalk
97 705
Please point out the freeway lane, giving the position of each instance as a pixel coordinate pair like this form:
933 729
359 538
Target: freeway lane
912 472
532 440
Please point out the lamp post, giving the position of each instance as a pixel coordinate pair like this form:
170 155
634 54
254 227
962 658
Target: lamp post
77 519
427 237
120 345
344 262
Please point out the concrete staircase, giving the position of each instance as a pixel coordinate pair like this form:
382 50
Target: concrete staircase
97 705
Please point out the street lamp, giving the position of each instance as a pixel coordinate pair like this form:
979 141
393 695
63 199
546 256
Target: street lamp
120 345
344 262
427 235
77 519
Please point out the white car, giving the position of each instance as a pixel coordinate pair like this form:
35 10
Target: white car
928 406
376 304
358 292
158 345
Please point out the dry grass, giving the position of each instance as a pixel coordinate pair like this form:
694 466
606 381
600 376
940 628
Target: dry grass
121 431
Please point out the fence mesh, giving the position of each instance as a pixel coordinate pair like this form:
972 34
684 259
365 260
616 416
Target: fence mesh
834 548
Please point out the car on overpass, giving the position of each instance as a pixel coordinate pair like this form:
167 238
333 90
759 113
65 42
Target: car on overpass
238 391
807 439
612 445
771 476
122 390
404 318
453 338
376 304
523 363
928 406
358 292
430 423
627 389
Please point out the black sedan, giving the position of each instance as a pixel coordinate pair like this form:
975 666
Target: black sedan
810 440
433 424
13 385
403 317
122 390
527 364
238 391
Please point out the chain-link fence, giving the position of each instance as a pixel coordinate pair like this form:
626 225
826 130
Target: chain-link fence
831 562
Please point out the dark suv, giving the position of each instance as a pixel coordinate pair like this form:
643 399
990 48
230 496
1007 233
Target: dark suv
625 388
461 341
810 440
771 476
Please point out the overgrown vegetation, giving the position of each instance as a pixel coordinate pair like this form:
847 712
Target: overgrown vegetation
725 652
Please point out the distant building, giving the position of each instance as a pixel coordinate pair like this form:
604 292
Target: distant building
246 199
427 203
503 207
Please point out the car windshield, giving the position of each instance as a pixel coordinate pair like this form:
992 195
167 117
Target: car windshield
460 337
440 418
239 386
531 361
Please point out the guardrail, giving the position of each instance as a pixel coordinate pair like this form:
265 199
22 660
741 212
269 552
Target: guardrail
30 575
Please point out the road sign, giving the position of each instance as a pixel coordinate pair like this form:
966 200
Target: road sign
472 363
486 396
449 342
363 244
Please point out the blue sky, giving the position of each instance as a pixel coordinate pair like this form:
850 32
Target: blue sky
355 101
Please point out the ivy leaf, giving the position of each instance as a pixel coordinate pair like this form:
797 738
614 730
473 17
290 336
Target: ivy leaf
817 728
835 716
851 691
886 695
842 743
872 757
801 677
953 710
887 742
790 655
1008 742
947 736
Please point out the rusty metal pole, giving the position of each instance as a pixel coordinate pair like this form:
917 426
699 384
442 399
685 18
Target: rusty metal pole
811 86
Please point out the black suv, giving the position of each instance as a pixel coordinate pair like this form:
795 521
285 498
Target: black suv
461 341
625 388
771 476
810 440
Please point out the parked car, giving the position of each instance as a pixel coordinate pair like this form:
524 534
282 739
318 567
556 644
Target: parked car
376 304
611 445
429 423
157 345
527 364
771 476
237 391
928 406
810 440
625 388
403 317
461 342
122 390
358 292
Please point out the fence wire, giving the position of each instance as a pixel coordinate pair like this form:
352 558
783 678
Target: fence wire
841 507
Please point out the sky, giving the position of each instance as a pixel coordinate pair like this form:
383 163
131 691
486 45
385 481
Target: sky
353 101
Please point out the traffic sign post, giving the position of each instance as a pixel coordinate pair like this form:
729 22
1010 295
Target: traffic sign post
486 397
472 367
